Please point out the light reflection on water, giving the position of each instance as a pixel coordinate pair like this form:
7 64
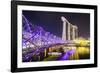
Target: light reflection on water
80 53
68 53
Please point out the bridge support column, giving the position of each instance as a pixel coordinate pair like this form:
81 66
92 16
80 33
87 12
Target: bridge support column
39 58
45 52
50 49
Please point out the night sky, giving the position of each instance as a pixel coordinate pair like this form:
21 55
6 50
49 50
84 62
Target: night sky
51 21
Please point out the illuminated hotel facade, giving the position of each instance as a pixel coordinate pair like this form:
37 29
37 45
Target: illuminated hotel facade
70 31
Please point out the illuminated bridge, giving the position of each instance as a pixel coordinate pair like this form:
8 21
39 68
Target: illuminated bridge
40 45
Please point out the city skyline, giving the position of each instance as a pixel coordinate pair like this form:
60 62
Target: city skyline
40 45
51 20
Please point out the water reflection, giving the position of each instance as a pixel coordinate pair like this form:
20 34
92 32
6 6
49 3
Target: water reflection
58 52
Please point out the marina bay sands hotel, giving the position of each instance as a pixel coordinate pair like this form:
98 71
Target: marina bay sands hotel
69 31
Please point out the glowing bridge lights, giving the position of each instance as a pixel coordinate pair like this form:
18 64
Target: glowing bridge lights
37 36
39 44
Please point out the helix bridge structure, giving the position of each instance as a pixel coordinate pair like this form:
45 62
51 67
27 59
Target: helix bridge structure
37 36
35 39
37 44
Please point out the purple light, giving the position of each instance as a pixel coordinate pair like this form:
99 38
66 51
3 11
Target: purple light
39 34
38 37
67 54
